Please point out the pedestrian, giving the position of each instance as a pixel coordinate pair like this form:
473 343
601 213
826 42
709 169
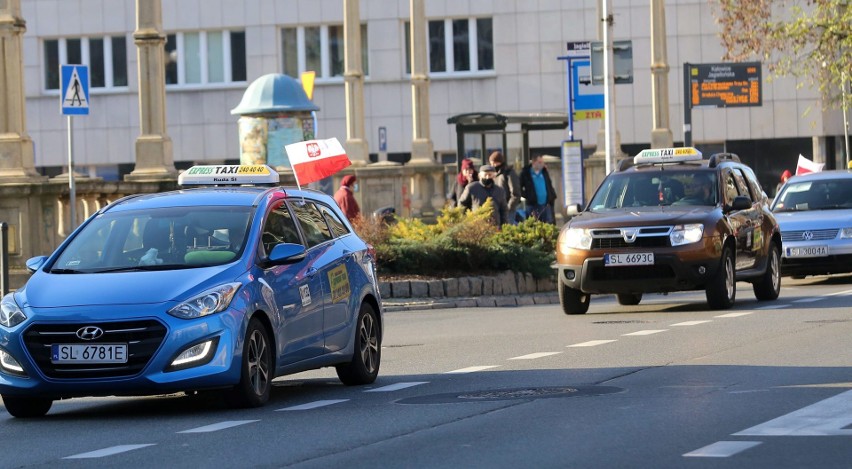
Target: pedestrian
477 192
784 176
345 197
465 177
508 180
538 191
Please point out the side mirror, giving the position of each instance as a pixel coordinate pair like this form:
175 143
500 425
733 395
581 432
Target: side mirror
573 210
35 263
741 202
286 253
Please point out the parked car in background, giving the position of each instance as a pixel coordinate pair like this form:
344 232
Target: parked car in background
669 220
220 287
814 211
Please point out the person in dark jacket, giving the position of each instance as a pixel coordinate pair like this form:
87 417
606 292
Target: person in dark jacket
465 177
477 192
345 198
508 180
537 189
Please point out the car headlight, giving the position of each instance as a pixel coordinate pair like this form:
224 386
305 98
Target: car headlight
211 301
686 234
10 313
576 238
846 233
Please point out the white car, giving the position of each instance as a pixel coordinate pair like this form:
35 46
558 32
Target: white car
814 211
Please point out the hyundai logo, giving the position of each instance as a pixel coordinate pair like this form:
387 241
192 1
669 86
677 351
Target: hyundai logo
808 235
90 332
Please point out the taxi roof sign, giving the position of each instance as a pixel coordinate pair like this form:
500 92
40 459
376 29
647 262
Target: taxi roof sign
667 155
228 174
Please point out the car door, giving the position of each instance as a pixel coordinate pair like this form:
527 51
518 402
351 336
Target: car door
742 221
296 290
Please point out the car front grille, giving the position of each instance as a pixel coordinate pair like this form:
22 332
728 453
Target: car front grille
642 237
808 235
143 338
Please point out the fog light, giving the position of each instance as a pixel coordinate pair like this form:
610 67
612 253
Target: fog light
9 364
569 274
195 355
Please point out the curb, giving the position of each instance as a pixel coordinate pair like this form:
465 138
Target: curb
420 304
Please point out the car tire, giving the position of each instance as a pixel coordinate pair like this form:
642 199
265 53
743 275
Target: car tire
573 301
26 407
367 356
256 370
629 299
769 286
722 289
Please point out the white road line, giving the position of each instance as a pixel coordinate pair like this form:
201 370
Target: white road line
219 426
830 416
773 306
533 356
592 343
472 369
396 387
107 451
808 300
733 315
314 405
845 292
646 332
722 449
690 323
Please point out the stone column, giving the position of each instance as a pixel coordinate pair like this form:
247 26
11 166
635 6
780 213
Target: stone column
353 82
17 160
154 158
422 151
661 135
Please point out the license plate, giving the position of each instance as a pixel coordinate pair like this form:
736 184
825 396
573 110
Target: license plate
639 258
808 251
88 353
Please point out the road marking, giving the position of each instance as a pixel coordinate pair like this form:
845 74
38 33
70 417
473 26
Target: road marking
773 306
219 426
314 405
722 449
830 416
472 369
808 300
533 356
396 387
690 323
646 332
845 292
592 343
107 451
733 315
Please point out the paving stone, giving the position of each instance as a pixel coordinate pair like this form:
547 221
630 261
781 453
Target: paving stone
401 289
475 286
419 289
385 289
436 288
451 287
464 286
505 300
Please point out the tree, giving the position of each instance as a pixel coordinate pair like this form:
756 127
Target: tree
808 39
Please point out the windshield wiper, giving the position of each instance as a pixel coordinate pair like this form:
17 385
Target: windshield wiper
143 268
65 271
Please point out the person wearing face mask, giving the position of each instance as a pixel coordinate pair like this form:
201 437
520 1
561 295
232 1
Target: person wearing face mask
477 192
538 191
465 177
508 180
345 197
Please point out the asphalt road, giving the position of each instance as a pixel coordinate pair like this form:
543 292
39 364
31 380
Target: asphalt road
667 383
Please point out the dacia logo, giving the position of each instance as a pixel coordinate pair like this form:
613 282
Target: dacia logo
629 234
90 333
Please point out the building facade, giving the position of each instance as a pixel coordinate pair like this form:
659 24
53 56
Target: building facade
484 55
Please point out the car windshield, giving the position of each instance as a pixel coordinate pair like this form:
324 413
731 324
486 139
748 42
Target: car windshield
657 188
156 239
827 194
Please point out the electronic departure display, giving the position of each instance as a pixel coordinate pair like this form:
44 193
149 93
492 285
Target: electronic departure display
725 84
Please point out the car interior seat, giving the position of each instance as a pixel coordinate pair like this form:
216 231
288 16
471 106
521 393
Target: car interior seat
646 193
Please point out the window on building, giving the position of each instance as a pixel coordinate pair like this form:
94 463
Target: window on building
456 45
320 49
205 57
105 56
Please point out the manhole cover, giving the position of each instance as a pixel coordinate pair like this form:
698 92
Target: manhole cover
510 394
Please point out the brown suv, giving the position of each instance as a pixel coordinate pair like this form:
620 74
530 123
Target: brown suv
669 220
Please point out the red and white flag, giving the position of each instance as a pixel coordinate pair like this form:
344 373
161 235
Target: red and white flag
807 166
313 160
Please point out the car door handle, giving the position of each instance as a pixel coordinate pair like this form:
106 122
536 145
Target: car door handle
311 272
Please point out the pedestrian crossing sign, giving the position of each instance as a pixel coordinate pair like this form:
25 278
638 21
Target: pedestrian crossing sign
74 93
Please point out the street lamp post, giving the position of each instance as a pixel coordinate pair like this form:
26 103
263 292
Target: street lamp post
843 84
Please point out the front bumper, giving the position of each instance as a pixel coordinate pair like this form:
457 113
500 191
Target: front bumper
838 260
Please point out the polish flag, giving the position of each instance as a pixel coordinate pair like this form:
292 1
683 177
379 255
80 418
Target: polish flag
316 159
807 166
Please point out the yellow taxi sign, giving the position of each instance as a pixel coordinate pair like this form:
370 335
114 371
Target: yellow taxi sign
667 155
228 174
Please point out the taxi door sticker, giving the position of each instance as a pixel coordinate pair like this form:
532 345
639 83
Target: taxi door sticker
305 292
338 278
757 244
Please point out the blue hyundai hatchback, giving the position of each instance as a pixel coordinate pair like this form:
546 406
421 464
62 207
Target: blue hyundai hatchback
224 286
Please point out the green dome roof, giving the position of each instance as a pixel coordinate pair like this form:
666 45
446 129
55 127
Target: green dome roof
274 92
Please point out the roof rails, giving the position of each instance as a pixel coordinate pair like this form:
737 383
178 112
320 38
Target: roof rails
624 164
717 158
